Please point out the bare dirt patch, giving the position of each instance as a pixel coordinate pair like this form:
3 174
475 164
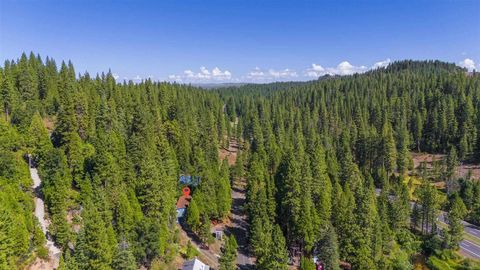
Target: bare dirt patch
207 256
40 264
230 153
49 123
73 215
419 158
461 171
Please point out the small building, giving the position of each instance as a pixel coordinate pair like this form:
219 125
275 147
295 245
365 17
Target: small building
189 180
195 264
182 204
218 234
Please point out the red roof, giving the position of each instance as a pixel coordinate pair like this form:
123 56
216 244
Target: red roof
183 201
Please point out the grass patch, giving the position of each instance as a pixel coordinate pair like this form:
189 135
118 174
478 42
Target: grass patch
412 183
449 260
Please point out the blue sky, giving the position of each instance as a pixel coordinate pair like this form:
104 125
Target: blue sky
228 41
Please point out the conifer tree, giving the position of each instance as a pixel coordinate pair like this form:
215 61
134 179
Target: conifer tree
418 130
327 250
39 139
428 199
344 223
7 94
229 254
403 151
204 231
452 162
389 150
124 259
321 185
7 240
26 81
306 264
276 256
93 250
193 215
191 251
224 200
400 208
455 215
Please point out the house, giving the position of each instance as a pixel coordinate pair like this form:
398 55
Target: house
195 264
182 204
189 180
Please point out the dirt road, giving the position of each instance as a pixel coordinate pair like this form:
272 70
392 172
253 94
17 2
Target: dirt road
207 256
53 252
239 225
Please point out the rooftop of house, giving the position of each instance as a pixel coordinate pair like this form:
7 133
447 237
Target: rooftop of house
195 264
183 201
189 180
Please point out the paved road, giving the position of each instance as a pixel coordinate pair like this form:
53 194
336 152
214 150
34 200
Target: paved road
53 252
468 248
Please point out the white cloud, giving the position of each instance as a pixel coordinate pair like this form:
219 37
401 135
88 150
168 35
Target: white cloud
282 74
259 75
204 75
176 78
256 73
317 68
344 68
204 71
468 64
115 76
382 64
315 71
137 78
222 75
188 73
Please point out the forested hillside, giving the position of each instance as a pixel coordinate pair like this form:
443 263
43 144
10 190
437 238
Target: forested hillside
110 167
328 165
319 149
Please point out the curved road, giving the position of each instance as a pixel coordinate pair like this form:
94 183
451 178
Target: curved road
53 252
467 247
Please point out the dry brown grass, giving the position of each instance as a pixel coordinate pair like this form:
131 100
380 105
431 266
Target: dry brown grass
40 264
461 170
230 153
49 123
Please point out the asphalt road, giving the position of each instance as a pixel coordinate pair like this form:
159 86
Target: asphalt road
467 248
470 249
